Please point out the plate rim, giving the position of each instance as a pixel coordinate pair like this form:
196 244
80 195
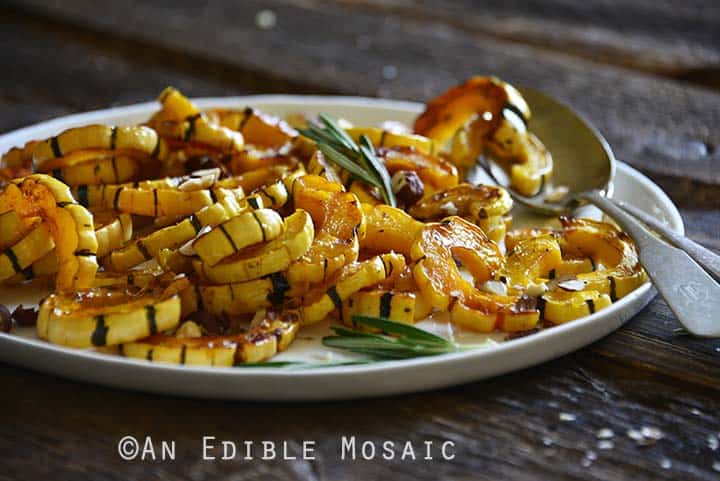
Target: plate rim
391 367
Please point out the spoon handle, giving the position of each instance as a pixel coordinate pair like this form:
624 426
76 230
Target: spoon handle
691 293
703 256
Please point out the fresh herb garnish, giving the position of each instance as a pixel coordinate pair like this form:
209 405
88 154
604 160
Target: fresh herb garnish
396 340
300 364
359 160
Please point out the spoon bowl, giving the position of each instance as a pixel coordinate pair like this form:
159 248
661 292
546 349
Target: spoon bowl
583 160
584 164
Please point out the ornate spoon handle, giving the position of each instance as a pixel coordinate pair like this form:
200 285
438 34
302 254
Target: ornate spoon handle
703 256
691 293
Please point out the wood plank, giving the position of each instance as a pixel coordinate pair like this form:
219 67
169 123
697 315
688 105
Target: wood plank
663 127
668 38
504 428
54 71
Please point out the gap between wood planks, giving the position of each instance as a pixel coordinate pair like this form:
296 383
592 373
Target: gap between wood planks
144 53
584 33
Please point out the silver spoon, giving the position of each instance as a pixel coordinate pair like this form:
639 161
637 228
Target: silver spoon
584 163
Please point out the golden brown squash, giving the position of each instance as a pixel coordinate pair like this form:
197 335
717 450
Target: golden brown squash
473 202
437 253
477 96
389 229
70 225
339 222
436 173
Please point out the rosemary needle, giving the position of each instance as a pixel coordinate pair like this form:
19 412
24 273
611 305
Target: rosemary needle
360 160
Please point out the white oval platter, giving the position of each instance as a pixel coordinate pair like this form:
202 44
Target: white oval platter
329 382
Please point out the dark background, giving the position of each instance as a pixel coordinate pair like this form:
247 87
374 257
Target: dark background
646 72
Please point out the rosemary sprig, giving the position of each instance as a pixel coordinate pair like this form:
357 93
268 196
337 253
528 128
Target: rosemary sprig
300 364
396 340
359 160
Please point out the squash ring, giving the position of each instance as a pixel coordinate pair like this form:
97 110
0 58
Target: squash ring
70 225
348 281
135 138
273 256
107 316
33 246
262 341
229 237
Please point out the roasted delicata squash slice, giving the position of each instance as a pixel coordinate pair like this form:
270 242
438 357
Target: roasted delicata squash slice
572 267
197 180
389 229
94 167
233 235
478 96
122 139
483 312
438 251
255 157
561 306
339 223
515 236
487 116
272 195
311 184
13 227
17 162
495 227
153 202
175 106
382 138
525 157
263 259
398 306
170 237
352 278
70 225
435 172
238 297
404 283
107 316
256 127
112 231
19 256
466 200
598 265
531 261
138 278
44 268
618 270
199 130
257 178
262 341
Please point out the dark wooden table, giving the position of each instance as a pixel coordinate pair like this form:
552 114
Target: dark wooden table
646 72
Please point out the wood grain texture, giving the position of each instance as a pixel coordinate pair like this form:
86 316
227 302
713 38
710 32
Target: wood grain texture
661 126
665 37
76 55
505 428
92 71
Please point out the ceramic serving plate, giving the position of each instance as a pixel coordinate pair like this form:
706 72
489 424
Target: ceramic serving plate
323 380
